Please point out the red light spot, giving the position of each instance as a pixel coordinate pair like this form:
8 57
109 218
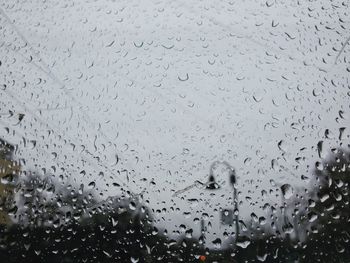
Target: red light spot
202 258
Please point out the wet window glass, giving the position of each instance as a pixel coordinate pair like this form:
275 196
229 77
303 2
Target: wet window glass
174 131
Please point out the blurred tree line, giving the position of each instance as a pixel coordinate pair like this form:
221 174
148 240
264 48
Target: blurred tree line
59 222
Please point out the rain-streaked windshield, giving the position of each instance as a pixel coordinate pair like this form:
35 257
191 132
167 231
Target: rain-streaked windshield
174 131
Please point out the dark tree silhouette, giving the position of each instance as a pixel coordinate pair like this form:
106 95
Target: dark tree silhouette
329 210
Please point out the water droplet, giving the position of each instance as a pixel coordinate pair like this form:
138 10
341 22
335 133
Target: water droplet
287 191
184 78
